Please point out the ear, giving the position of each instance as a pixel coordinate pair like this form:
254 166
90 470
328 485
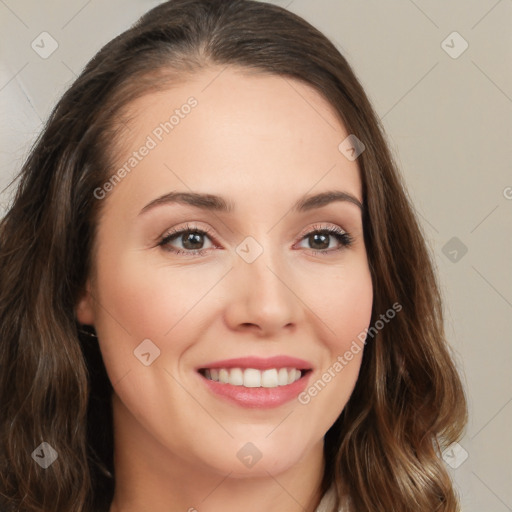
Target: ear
84 309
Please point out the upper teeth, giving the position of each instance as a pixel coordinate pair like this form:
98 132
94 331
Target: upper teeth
253 378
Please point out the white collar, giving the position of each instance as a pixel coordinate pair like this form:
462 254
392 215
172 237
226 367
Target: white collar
327 501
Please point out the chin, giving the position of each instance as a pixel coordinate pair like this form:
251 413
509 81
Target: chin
254 457
274 465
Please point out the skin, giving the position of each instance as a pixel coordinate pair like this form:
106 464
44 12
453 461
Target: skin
262 142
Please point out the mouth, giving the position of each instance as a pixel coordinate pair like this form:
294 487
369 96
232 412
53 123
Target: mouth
256 382
253 377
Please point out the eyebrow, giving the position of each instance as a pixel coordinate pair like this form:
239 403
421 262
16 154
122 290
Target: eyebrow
211 202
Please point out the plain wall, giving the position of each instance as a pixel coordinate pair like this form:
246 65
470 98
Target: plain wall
448 118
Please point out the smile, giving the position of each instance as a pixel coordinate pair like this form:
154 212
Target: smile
252 377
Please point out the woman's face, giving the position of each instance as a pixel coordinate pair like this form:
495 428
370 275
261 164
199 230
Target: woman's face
256 296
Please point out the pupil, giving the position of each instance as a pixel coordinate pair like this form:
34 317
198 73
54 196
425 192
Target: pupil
324 237
192 238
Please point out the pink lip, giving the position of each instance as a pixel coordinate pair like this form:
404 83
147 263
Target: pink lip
260 363
258 398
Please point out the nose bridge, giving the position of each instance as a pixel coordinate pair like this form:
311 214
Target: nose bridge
261 276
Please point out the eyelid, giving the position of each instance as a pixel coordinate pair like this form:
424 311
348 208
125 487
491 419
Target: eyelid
208 231
332 229
187 227
320 227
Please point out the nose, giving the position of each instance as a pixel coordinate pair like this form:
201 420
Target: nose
263 296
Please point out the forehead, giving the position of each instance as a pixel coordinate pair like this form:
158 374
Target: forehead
230 130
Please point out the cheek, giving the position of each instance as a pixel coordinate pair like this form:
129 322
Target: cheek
345 308
350 315
144 299
138 300
146 294
342 298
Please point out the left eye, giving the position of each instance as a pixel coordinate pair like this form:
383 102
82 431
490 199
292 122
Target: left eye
322 237
192 240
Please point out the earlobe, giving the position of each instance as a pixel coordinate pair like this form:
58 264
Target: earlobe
84 309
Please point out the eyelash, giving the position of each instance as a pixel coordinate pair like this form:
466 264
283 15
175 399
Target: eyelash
342 236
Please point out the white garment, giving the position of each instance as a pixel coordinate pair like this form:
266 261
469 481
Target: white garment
328 501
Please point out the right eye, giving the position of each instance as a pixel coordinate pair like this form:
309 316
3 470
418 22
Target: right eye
194 237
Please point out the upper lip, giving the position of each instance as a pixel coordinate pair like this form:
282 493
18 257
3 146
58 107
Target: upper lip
260 363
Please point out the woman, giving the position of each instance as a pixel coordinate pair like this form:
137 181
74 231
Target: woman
214 291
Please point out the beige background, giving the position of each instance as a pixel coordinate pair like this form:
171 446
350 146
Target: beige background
449 122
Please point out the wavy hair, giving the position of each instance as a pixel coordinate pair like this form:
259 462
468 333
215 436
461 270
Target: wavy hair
383 451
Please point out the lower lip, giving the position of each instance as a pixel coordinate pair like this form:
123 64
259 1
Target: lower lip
261 398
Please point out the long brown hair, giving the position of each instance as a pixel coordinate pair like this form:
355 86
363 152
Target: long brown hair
384 449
